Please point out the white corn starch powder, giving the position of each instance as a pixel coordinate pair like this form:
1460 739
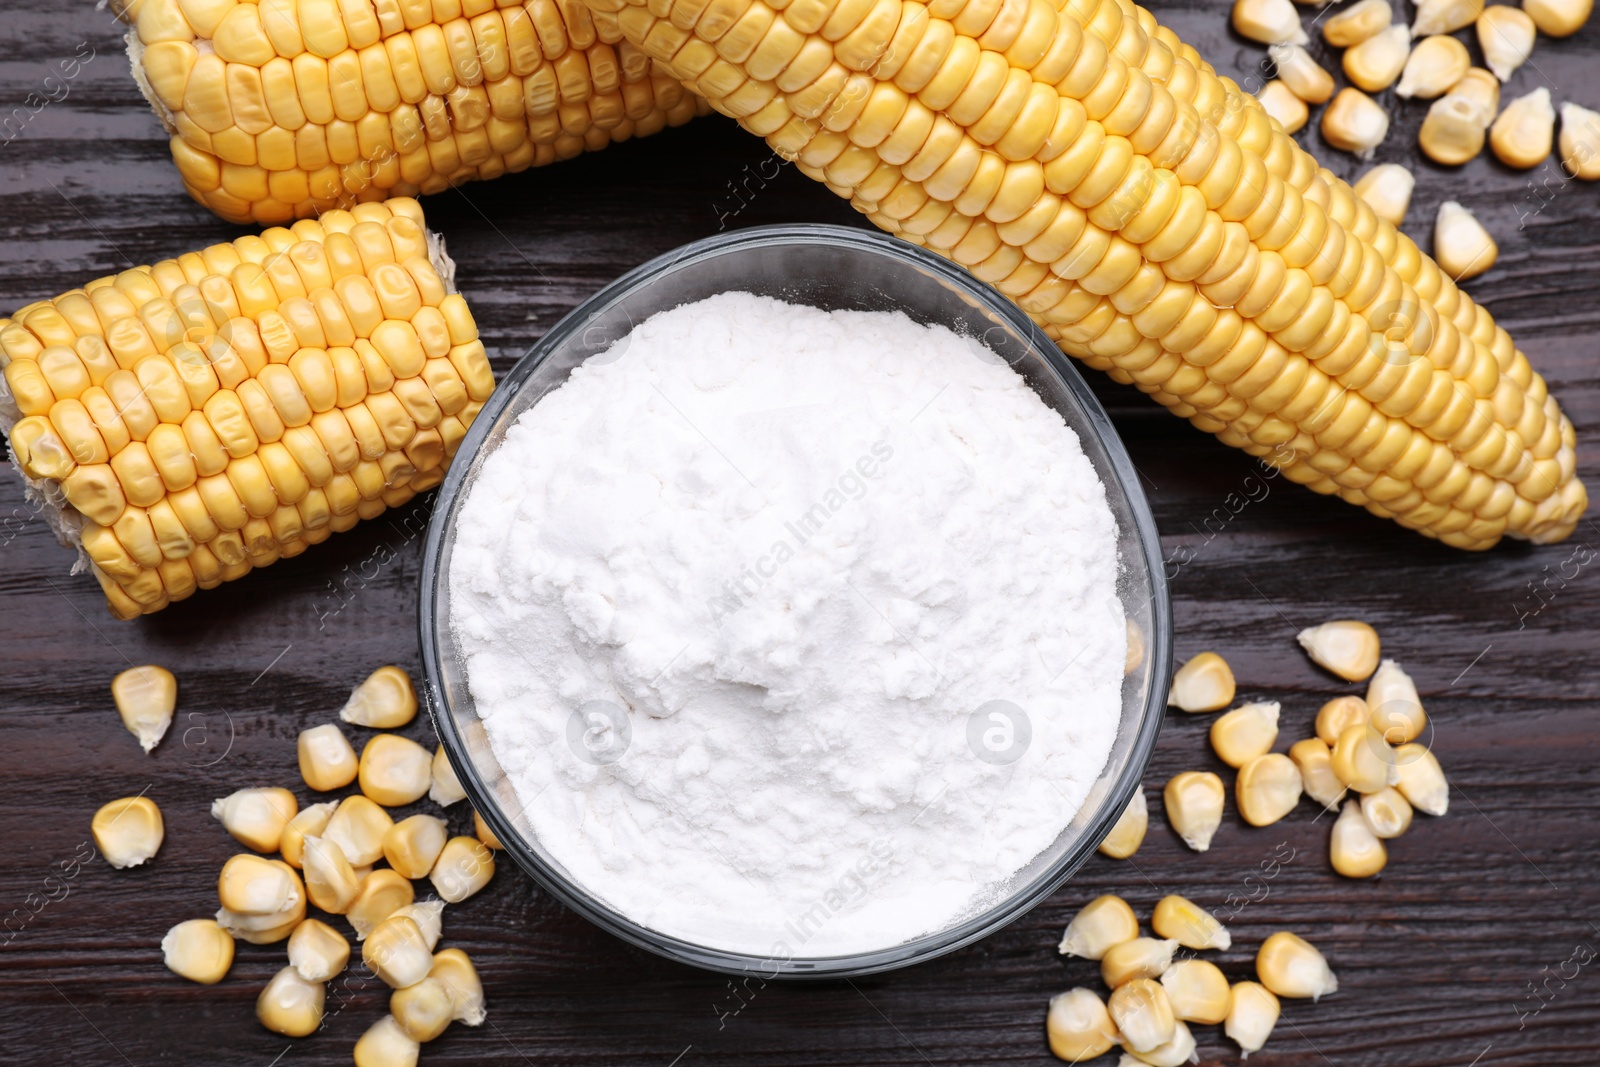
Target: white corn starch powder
795 632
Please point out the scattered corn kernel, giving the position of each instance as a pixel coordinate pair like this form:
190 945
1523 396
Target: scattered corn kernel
1193 801
455 970
1143 957
423 1010
1346 647
1176 1051
1388 812
1451 133
1506 36
1580 142
145 698
1189 924
1363 760
1435 64
1422 782
310 822
1355 123
1374 64
445 788
1314 760
412 846
1525 132
429 917
317 951
331 882
383 892
256 817
128 831
395 770
1279 101
1267 789
198 950
1444 16
1252 1013
1205 683
1461 246
1354 850
1359 22
1269 21
1396 708
326 759
1387 190
485 834
1100 925
1290 966
357 827
1142 1014
1339 714
255 885
1198 991
1245 732
1304 77
465 866
291 1005
397 953
1078 1026
1128 834
385 1044
1482 90
1559 18
386 700
261 929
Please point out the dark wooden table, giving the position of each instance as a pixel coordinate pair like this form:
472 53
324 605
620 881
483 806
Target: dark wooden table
1471 948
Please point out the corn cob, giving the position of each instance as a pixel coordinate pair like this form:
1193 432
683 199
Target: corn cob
281 109
186 422
1158 224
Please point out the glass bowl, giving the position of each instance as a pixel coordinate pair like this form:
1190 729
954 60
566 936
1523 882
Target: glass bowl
834 268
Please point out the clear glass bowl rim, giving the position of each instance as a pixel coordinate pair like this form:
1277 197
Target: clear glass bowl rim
1158 643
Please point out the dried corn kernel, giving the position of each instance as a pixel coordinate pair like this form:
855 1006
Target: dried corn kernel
1445 16
1461 245
1422 782
1355 123
1267 789
1506 36
1244 733
1354 850
395 770
1176 1051
1100 925
1198 991
198 950
310 822
1580 142
128 831
1143 957
1339 714
1559 18
1193 802
429 917
331 882
445 788
386 700
1291 967
396 952
412 846
464 867
1078 1026
145 698
1374 64
1128 833
1396 708
1359 22
383 892
455 970
1346 647
1435 64
1252 1013
385 1044
357 827
485 834
1279 101
317 951
1386 189
1142 1014
256 817
1387 812
1189 924
1363 760
326 759
1268 21
1296 69
1314 760
290 1005
1204 683
1525 132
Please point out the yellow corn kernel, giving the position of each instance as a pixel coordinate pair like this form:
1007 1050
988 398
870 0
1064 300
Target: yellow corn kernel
128 831
1176 1051
1078 1026
1304 77
1314 760
1396 709
444 788
310 822
423 1010
394 770
1524 134
1143 957
383 892
1506 36
1198 991
1386 188
291 1005
1100 925
1346 647
256 817
198 950
385 1044
1358 22
317 951
385 701
145 698
1193 802
1435 64
1204 683
1338 714
1580 142
1252 1013
1268 21
429 917
396 953
464 866
1189 924
452 967
1375 63
1445 16
1559 18
1244 733
485 834
1281 103
1422 782
1267 788
1290 966
1462 247
251 885
357 827
326 759
1128 833
1354 122
1387 812
331 882
1143 1015
412 846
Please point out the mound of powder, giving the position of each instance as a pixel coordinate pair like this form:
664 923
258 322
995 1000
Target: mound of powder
794 631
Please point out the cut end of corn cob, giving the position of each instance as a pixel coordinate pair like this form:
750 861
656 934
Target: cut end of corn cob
279 111
184 423
1159 226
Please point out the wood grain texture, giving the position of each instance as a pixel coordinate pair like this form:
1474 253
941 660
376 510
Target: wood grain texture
1435 958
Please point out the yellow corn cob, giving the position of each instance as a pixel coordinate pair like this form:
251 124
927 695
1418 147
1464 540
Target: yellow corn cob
281 109
1158 224
186 422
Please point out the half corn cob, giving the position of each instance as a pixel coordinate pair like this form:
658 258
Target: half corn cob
1158 224
186 422
281 109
